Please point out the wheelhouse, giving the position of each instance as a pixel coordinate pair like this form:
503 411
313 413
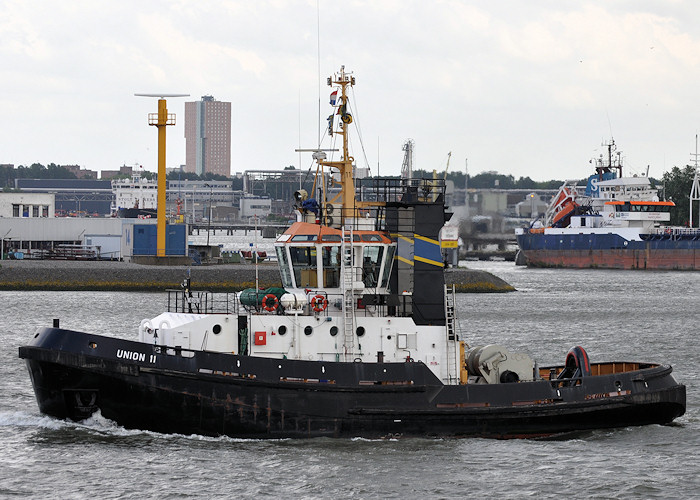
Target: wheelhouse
641 206
310 256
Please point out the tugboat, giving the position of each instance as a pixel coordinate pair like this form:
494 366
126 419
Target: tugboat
360 340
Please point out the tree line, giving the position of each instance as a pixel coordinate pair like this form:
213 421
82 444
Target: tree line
8 173
485 180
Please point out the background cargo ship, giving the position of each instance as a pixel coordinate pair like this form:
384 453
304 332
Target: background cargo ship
614 222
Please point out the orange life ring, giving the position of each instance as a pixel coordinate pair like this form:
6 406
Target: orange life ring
319 303
266 302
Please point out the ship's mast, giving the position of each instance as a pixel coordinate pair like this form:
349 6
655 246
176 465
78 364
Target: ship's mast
612 163
345 164
695 188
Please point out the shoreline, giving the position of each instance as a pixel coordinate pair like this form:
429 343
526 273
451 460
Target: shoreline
66 275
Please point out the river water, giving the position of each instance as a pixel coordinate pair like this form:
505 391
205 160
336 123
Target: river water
615 315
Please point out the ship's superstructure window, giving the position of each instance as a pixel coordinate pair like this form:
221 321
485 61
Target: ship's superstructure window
371 264
304 237
284 267
641 208
330 237
331 266
304 265
388 265
371 237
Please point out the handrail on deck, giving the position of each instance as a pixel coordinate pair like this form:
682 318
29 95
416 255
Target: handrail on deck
202 302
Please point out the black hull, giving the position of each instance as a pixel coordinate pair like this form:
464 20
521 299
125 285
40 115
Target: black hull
137 213
74 374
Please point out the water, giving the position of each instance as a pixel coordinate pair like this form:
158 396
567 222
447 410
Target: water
620 315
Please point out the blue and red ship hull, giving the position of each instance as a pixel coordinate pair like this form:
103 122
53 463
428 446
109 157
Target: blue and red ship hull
610 251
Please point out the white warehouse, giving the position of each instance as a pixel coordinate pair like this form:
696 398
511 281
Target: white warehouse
30 205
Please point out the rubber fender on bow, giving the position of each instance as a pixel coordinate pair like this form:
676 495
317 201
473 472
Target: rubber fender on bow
577 364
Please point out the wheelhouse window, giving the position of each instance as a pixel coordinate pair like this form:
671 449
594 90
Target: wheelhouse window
331 266
371 237
371 265
304 265
284 267
627 207
388 264
304 237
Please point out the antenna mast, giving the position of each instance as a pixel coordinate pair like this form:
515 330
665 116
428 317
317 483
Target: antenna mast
344 80
695 188
407 166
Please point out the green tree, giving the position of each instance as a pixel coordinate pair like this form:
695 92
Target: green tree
7 176
54 171
676 185
491 180
34 171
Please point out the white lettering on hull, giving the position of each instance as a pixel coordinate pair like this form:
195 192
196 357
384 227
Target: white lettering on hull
132 355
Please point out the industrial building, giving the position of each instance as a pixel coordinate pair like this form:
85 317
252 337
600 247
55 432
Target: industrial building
109 238
79 197
27 205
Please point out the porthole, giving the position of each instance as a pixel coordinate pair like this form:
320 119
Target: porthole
216 329
360 331
282 330
308 330
334 331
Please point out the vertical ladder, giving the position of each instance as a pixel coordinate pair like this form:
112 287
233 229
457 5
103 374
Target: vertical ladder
347 272
451 334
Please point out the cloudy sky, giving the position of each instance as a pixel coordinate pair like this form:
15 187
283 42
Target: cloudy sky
528 88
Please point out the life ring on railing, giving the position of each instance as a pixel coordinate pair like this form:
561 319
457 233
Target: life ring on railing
270 302
319 303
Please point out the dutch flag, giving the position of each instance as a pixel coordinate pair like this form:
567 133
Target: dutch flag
334 97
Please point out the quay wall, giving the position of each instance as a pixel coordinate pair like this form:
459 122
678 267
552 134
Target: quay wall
123 276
